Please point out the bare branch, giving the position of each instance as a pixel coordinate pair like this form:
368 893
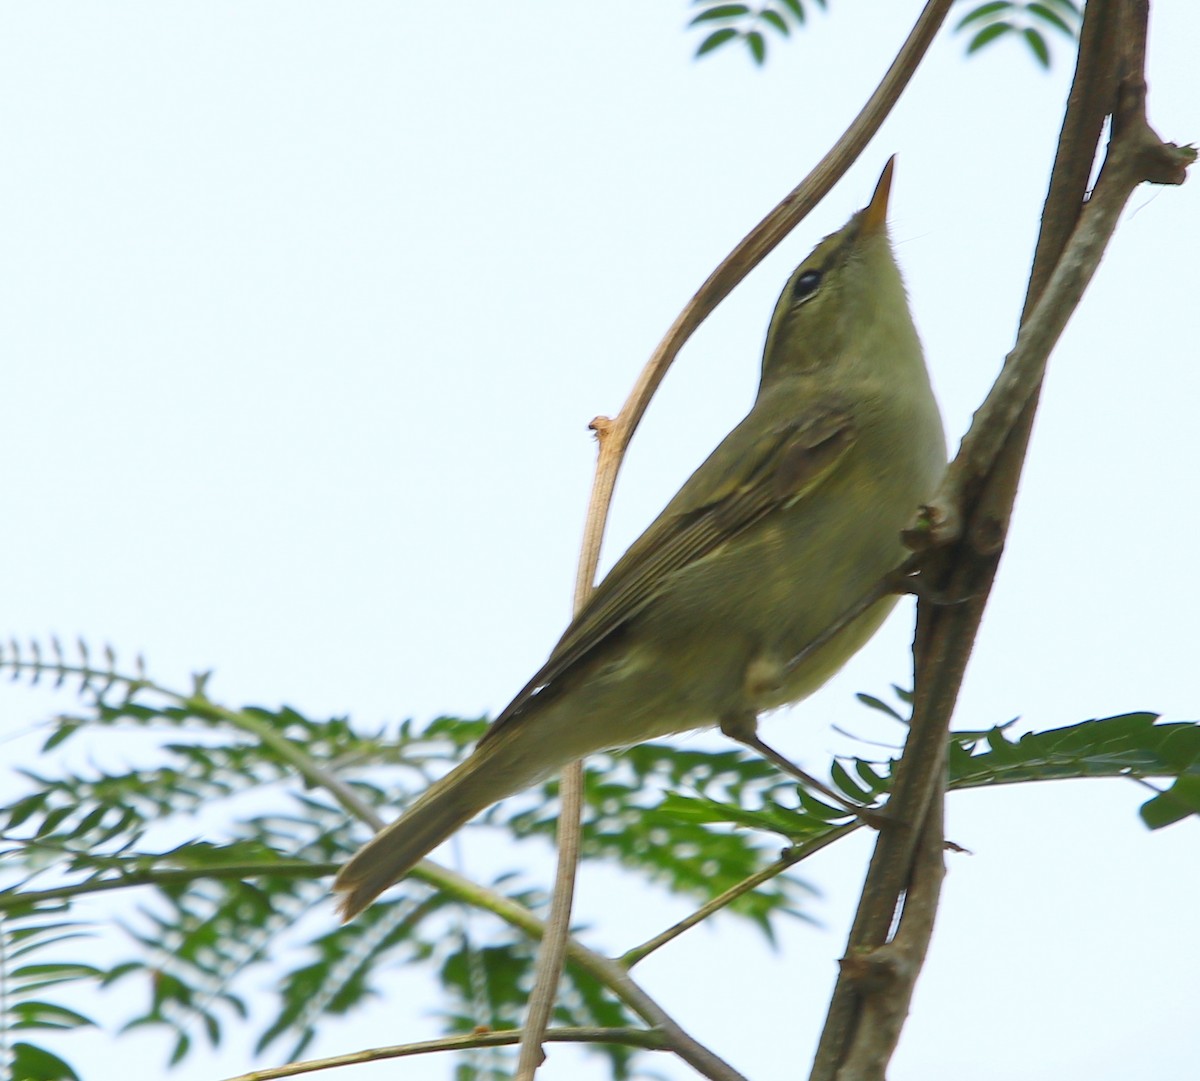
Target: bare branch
976 502
628 1037
789 859
607 971
553 951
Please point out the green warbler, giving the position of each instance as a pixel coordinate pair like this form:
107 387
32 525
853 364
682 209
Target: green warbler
790 522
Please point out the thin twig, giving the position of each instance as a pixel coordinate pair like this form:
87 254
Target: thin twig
644 1038
553 951
605 970
14 899
789 859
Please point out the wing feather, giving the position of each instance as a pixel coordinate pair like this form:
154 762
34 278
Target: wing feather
781 467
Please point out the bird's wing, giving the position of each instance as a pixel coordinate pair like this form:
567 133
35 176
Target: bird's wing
717 503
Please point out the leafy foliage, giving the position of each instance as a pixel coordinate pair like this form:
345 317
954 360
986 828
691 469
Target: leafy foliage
1131 745
1002 18
215 839
752 25
213 912
749 24
26 982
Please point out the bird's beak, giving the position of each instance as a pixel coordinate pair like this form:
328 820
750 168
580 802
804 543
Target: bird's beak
874 217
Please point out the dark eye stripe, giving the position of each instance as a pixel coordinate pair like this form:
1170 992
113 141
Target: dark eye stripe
806 285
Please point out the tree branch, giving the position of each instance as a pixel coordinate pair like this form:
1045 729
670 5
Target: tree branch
974 507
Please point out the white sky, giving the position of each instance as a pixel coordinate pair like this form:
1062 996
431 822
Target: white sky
305 308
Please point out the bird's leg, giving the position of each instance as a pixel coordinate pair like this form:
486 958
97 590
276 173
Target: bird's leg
743 727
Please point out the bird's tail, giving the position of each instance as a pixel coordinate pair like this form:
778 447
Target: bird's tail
497 768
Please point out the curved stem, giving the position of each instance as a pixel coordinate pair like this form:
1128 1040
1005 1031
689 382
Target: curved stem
627 1037
615 434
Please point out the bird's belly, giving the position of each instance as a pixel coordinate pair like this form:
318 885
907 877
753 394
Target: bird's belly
727 635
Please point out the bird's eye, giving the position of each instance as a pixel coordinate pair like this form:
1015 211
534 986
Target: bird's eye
806 285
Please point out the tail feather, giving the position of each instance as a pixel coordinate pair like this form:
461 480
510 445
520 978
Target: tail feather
492 772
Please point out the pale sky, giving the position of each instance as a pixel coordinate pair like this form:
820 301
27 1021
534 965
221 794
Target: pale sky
305 308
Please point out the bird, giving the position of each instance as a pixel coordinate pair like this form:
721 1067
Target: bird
734 601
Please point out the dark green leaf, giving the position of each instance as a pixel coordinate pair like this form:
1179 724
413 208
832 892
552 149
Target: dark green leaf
905 695
714 40
1037 45
1180 801
32 1063
31 1013
757 46
797 10
1180 747
846 784
721 11
988 34
1049 15
985 11
23 808
877 703
65 728
820 810
776 20
875 781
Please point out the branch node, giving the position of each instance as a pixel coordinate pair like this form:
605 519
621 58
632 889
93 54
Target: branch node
935 525
873 971
602 426
1166 163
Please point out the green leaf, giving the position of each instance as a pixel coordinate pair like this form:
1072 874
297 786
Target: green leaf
721 11
757 46
797 10
65 729
1037 45
988 34
985 12
1049 15
905 694
820 810
1180 747
32 1063
846 784
872 702
715 40
31 1013
1180 801
875 781
776 20
23 808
